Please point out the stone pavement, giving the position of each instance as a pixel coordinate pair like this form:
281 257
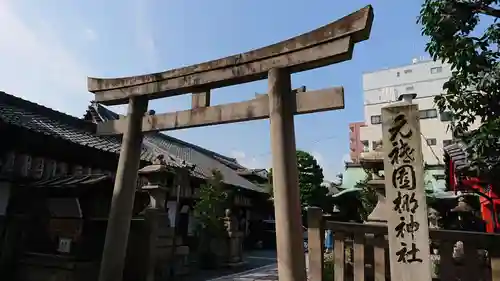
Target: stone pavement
267 272
265 275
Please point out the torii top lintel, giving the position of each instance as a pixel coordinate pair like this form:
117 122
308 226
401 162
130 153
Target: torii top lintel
326 45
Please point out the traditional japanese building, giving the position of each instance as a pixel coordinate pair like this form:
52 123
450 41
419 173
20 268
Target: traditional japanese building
248 182
56 183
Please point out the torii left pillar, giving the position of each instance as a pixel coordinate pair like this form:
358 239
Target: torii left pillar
115 245
290 248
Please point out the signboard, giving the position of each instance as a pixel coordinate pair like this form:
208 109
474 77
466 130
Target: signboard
64 245
15 163
404 184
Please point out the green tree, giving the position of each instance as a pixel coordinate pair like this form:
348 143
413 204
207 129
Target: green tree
210 207
473 90
312 193
368 197
209 211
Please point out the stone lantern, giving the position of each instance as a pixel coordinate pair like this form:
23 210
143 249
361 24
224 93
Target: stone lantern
373 163
462 207
464 213
156 176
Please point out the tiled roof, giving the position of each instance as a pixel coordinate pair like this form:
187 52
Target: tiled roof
39 119
458 155
70 181
204 160
106 114
36 118
228 161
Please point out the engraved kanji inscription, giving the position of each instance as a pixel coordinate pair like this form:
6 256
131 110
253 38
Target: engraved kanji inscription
405 202
405 255
404 226
398 127
399 136
403 177
401 151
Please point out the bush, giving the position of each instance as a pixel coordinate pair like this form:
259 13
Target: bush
328 266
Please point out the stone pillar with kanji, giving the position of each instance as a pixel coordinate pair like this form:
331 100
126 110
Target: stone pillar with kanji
407 220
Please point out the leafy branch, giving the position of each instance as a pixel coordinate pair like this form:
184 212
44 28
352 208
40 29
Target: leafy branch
368 197
473 91
312 192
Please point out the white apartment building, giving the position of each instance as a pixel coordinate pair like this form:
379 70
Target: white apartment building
425 80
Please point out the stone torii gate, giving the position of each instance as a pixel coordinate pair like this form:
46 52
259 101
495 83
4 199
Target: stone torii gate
324 46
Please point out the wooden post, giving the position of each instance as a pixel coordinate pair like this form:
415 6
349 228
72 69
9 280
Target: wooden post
315 238
201 99
408 230
291 260
120 214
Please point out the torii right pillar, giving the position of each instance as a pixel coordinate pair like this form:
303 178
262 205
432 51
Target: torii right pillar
291 260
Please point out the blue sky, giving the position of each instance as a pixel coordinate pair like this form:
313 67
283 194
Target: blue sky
49 47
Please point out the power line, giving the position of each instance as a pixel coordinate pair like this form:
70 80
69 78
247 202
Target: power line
432 150
313 142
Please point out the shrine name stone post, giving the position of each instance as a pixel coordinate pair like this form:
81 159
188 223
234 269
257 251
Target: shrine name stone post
408 230
326 45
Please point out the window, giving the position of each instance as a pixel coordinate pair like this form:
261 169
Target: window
445 116
428 113
376 119
436 70
431 141
409 88
376 144
407 71
366 146
447 142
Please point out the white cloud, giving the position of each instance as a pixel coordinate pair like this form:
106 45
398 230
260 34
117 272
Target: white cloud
238 154
36 66
319 157
328 172
248 161
90 34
